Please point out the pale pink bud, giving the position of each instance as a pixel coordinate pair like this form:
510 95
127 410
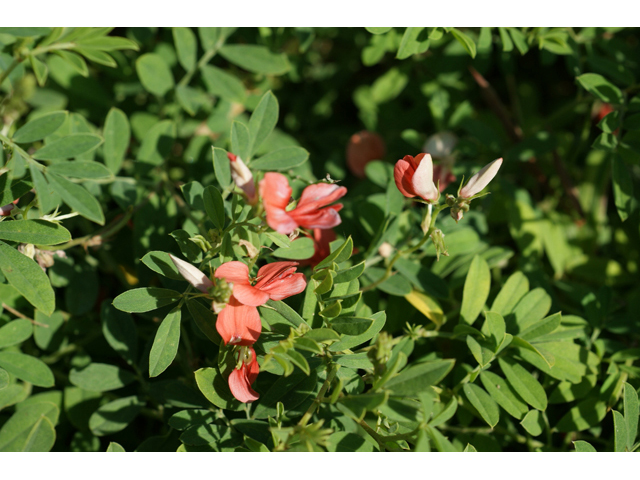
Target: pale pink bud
481 179
243 178
192 275
423 180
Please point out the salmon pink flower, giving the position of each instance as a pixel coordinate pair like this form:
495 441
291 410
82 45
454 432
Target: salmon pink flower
363 147
275 281
414 177
481 179
243 178
309 213
242 377
239 324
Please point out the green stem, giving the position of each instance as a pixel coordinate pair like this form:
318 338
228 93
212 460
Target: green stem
407 251
376 436
332 370
203 61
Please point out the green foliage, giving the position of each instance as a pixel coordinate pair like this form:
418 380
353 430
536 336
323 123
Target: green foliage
521 322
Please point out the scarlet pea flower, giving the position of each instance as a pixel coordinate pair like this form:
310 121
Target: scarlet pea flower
242 377
414 177
237 324
312 210
275 281
363 147
243 178
481 179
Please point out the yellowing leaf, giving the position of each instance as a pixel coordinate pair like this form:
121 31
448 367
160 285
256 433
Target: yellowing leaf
427 306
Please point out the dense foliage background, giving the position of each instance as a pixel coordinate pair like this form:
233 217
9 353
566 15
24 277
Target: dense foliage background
107 139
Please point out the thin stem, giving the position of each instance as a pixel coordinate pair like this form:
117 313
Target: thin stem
333 369
376 436
408 251
20 315
10 68
208 55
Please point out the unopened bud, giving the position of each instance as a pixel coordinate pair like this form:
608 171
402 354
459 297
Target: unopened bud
480 180
27 249
243 178
437 237
385 250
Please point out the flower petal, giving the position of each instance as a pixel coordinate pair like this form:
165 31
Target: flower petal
286 287
481 179
251 296
236 273
240 381
276 193
403 174
192 275
319 195
423 179
325 218
239 324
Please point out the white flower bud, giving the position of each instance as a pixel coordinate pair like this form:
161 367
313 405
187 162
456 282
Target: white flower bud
243 178
481 179
440 144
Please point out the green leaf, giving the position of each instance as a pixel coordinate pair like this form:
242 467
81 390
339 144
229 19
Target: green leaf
106 43
161 263
281 159
216 389
27 368
115 415
256 58
585 447
223 84
77 197
377 30
40 69
351 325
115 447
30 429
516 286
339 255
157 143
503 394
5 379
263 120
120 332
496 327
466 42
611 122
140 300
300 249
481 353
154 73
214 206
48 199
355 340
25 31
584 415
409 44
419 377
27 277
240 140
205 320
519 39
287 312
186 47
40 128
69 146
532 308
476 290
359 405
350 274
98 56
165 343
187 418
221 167
100 377
631 413
75 61
117 134
619 432
600 87
507 44
533 422
77 169
543 327
15 332
622 182
483 403
524 384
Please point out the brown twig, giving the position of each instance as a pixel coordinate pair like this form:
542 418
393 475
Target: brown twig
20 315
